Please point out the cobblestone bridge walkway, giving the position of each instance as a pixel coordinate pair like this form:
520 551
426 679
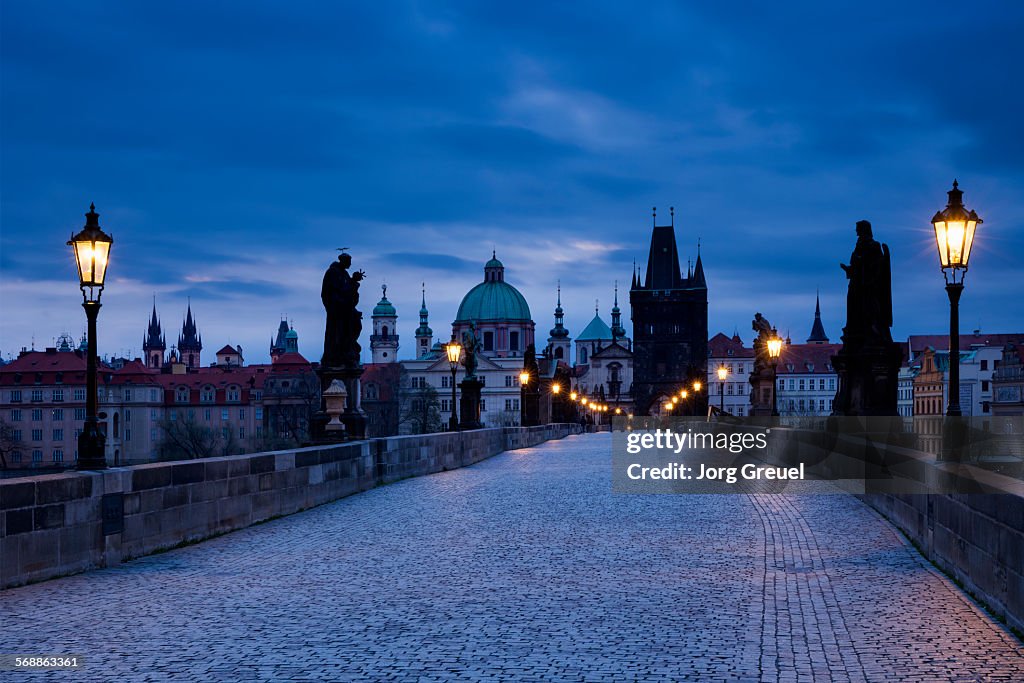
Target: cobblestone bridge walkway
525 567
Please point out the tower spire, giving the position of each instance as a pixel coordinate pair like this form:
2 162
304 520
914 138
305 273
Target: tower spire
818 335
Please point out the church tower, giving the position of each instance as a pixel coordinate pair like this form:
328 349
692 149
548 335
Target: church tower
190 342
424 335
384 340
618 331
153 343
670 324
558 343
818 335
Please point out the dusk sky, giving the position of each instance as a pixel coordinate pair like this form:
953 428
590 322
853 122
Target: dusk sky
230 150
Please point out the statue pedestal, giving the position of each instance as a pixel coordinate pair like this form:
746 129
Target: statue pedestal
868 380
762 385
469 404
353 416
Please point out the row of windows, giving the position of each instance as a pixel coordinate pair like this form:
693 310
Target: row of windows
208 394
37 455
733 368
808 385
225 414
803 404
56 396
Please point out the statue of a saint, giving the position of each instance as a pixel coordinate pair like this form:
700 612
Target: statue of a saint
471 345
340 294
869 296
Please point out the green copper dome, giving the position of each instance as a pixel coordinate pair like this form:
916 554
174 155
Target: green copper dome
493 299
384 307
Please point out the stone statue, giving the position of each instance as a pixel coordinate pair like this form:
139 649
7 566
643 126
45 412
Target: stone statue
869 297
765 332
340 295
868 364
471 346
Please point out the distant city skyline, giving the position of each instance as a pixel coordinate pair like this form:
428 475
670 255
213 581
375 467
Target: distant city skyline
230 153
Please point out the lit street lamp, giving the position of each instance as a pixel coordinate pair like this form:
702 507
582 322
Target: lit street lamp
92 254
723 372
954 236
454 351
774 351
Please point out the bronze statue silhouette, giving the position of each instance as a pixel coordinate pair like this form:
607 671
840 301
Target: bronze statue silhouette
340 295
869 296
471 346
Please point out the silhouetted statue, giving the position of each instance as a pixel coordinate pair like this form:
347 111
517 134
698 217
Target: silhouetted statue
869 362
340 295
471 346
869 297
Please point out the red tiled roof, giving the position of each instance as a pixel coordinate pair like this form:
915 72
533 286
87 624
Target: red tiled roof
228 348
385 376
940 342
807 358
719 346
47 363
290 362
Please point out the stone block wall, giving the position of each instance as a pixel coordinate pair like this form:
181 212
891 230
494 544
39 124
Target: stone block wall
58 524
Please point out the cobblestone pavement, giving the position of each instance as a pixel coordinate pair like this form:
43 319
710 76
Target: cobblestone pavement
525 567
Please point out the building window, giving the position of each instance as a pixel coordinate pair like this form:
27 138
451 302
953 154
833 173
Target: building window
58 395
58 434
821 404
259 414
16 435
446 405
801 385
821 384
127 434
37 395
984 364
233 394
207 414
58 414
832 384
16 456
483 405
446 382
16 415
208 394
181 395
508 404
513 341
37 415
256 395
488 341
224 414
241 432
985 406
730 388
984 384
37 434
241 413
37 455
16 396
509 379
152 435
127 395
174 416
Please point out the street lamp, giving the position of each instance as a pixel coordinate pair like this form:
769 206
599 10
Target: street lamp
723 373
91 247
954 236
774 351
454 351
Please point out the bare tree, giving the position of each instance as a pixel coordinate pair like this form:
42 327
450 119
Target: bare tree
421 411
8 444
186 439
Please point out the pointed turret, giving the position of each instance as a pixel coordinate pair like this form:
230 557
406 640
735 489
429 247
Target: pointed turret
618 331
190 343
278 345
424 334
663 260
818 335
154 342
558 342
698 281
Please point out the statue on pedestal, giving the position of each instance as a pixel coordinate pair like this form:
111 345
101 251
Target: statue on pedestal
340 295
869 362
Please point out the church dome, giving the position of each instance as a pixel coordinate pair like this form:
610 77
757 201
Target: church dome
493 299
384 307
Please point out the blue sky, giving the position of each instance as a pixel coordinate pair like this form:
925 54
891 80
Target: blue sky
231 148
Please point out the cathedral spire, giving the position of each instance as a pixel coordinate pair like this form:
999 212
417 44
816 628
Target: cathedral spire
818 335
617 330
424 335
154 342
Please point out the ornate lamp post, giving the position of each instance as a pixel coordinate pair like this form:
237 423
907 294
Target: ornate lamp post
454 351
774 351
524 413
92 254
954 236
723 373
